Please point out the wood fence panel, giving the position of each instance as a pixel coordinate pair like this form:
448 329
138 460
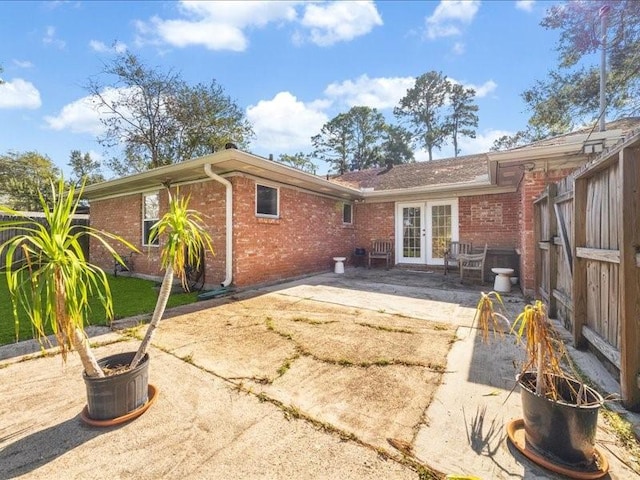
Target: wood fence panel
602 274
598 295
79 220
564 278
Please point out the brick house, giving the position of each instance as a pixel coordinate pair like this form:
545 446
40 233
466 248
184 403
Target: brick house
271 222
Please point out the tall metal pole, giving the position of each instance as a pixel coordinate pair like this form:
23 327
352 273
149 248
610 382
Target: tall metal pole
604 12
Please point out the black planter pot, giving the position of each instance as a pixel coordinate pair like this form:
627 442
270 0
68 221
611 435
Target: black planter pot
115 396
560 431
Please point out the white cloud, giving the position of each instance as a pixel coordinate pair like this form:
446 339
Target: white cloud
482 143
458 48
101 47
19 93
22 63
330 23
526 5
468 146
214 25
449 16
483 90
284 124
377 93
50 38
95 155
83 115
223 25
80 116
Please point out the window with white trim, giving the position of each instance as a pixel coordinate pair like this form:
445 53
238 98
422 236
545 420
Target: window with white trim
150 215
347 213
267 201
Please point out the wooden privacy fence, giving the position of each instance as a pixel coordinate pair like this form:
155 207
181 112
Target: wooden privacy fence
80 220
587 233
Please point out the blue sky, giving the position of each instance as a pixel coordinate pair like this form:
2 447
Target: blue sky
291 66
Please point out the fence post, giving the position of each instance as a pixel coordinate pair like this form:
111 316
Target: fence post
552 258
538 281
579 264
629 276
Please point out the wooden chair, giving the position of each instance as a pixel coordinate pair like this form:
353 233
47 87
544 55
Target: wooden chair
454 249
473 262
381 249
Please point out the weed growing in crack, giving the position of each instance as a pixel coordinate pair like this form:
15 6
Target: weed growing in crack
384 328
292 411
188 359
311 322
286 365
271 327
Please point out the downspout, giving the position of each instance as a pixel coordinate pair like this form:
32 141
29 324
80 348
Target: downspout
228 223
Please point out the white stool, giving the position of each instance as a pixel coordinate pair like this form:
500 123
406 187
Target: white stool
503 282
339 264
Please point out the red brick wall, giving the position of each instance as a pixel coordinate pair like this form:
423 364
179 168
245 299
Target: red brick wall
373 221
491 219
532 185
308 234
123 216
310 231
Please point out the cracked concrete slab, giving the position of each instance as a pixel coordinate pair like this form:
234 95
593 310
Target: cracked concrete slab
199 427
266 384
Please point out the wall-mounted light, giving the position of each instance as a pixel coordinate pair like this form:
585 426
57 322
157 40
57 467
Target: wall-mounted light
593 147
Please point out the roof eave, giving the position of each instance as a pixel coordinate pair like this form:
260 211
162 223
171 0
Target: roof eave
468 188
193 170
574 147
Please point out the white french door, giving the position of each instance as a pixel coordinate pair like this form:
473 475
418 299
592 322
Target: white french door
424 229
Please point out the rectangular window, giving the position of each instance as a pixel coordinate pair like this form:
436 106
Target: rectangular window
150 215
347 213
266 201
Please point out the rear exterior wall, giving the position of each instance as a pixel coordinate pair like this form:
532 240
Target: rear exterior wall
374 221
490 219
123 216
305 237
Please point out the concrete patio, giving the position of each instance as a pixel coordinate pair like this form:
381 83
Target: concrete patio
369 374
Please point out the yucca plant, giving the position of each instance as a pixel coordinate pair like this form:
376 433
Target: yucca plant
560 413
53 281
544 351
185 238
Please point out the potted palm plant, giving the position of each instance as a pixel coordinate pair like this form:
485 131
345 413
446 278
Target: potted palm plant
54 282
560 412
185 240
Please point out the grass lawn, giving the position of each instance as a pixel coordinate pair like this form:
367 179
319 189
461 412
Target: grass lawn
131 296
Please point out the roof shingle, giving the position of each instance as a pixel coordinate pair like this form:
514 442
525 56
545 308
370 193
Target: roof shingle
463 169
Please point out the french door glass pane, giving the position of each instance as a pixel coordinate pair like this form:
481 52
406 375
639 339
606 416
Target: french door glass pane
440 229
412 231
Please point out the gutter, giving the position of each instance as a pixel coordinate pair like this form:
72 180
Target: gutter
228 223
